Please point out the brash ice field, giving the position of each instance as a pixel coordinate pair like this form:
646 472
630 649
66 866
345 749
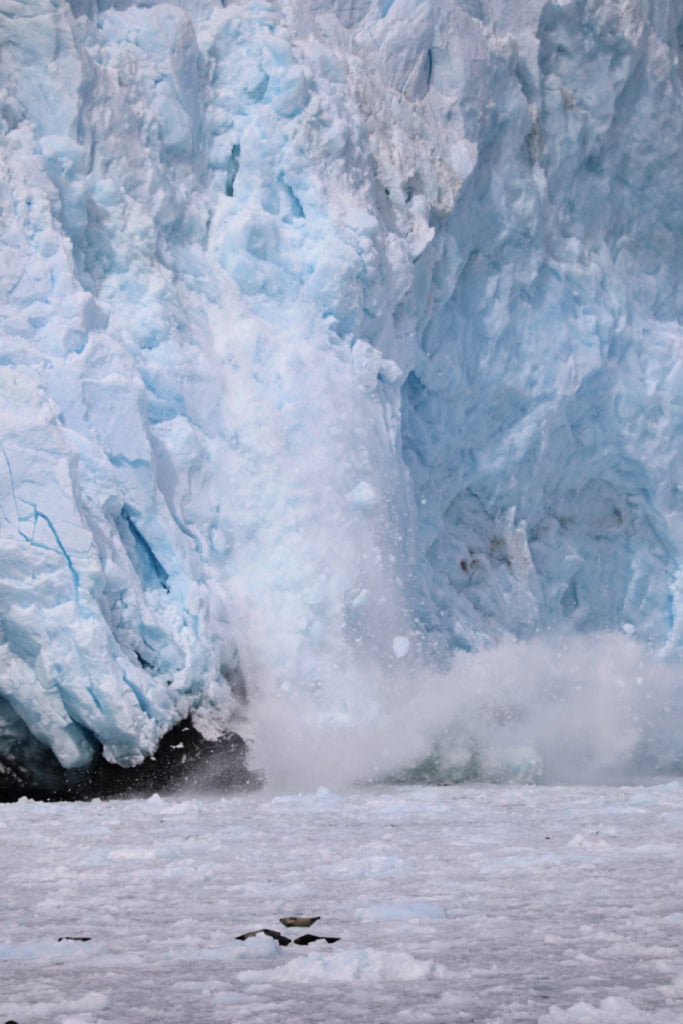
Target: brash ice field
472 903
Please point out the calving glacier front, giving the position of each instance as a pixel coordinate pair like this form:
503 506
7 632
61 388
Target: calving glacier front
335 338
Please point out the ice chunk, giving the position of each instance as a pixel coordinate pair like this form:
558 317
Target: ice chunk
401 912
363 496
400 646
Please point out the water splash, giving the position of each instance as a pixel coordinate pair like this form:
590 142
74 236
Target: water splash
555 709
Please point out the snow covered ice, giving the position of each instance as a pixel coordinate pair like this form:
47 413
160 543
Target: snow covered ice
492 905
336 339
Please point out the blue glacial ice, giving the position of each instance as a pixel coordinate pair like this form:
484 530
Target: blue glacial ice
336 339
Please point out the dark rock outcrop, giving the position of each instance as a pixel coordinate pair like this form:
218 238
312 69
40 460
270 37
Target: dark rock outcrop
184 761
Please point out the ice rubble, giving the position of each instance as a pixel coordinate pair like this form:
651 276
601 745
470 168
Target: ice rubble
547 905
331 333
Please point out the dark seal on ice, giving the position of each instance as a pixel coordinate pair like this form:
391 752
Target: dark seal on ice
270 932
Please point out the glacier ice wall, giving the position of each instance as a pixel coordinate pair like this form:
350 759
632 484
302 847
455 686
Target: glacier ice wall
551 350
334 338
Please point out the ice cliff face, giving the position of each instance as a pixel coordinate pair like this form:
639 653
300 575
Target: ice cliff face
334 337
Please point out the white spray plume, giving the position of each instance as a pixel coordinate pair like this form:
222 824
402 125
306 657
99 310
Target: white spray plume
580 708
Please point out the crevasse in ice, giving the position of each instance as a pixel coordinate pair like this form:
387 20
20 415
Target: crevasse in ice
333 337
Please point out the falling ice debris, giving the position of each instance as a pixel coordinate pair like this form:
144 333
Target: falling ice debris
400 646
